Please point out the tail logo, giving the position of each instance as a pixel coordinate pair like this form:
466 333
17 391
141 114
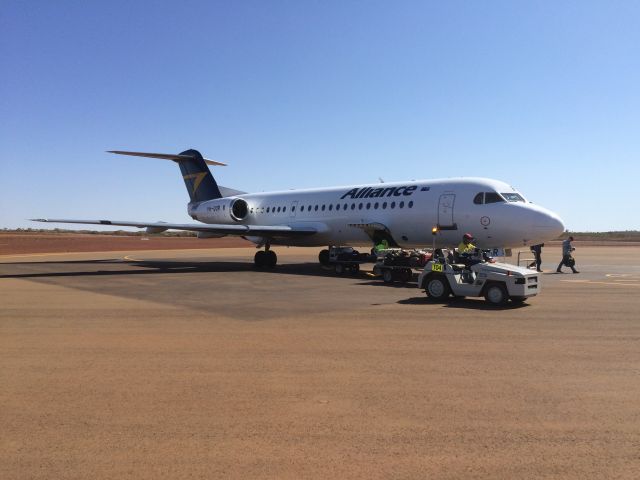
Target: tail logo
198 177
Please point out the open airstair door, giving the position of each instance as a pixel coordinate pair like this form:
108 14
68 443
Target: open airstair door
377 232
445 212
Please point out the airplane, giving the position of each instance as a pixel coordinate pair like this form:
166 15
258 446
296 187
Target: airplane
407 214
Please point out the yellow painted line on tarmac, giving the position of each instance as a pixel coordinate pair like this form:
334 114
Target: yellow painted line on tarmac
603 283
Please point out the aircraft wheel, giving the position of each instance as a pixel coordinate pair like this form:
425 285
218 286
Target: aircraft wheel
496 294
387 275
437 287
323 257
260 259
271 259
339 268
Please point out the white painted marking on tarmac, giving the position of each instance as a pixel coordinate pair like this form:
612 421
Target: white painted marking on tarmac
593 282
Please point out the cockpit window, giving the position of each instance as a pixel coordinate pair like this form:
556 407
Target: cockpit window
492 197
513 197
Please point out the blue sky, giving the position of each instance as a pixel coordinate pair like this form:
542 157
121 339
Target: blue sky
293 94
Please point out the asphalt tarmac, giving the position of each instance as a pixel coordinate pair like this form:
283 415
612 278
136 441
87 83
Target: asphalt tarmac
192 364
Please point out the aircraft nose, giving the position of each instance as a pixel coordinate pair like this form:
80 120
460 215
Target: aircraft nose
549 224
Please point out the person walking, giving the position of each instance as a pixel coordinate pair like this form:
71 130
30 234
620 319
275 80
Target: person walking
537 253
567 259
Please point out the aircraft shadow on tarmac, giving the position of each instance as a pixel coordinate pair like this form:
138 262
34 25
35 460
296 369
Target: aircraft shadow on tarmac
152 267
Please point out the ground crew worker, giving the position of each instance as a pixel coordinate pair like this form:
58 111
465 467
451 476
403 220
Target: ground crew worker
466 246
382 245
567 259
537 253
465 250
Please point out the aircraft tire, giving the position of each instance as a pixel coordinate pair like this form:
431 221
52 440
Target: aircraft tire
323 257
260 259
271 259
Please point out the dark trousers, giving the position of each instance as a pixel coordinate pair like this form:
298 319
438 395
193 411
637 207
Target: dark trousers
565 259
538 260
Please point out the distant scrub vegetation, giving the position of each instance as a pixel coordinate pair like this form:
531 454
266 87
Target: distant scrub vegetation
618 236
117 233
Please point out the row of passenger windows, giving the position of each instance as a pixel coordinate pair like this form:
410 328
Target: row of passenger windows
338 206
494 197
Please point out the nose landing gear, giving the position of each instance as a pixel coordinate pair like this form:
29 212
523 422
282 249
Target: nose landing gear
266 258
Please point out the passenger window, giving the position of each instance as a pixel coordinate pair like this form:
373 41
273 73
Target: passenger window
384 205
323 208
360 207
368 206
376 205
401 205
393 204
338 206
479 199
410 204
293 209
267 209
278 209
316 208
330 206
492 197
344 207
353 206
284 209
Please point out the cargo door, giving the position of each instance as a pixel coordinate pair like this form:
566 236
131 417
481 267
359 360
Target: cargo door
445 212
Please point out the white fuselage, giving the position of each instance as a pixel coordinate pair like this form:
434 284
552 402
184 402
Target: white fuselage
408 210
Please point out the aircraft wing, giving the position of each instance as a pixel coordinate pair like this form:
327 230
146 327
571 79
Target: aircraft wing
240 230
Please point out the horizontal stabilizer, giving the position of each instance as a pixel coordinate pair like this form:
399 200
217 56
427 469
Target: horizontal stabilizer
165 156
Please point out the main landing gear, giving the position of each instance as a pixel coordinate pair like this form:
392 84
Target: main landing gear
266 258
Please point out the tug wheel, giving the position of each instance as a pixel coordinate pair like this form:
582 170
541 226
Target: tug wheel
496 294
437 287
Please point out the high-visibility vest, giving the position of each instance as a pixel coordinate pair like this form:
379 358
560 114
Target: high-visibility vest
466 247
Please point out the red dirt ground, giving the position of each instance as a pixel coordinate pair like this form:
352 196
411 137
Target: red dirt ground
12 243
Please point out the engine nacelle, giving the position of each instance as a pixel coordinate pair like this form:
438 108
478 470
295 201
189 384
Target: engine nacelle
220 210
239 209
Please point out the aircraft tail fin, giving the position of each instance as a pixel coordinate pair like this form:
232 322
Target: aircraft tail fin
196 175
